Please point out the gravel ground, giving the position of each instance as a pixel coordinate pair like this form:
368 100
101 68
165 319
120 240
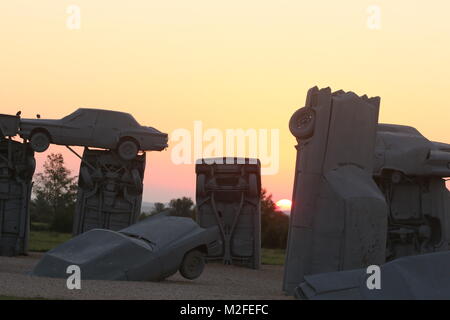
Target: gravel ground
216 282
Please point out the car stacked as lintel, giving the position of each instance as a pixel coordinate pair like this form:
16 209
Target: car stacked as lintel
95 128
111 179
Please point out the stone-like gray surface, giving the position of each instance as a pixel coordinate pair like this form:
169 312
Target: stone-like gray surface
96 128
9 125
110 181
228 195
409 170
360 186
109 191
17 166
338 218
152 249
418 277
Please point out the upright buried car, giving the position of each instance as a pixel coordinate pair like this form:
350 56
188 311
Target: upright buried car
109 191
229 196
152 249
94 128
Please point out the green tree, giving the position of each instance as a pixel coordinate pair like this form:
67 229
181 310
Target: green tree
182 207
274 223
54 195
158 207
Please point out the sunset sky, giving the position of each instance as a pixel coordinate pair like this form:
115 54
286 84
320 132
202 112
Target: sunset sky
231 64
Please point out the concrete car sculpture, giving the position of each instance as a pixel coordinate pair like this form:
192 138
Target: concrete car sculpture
17 166
109 191
338 220
152 249
94 128
364 193
9 125
421 277
410 170
228 195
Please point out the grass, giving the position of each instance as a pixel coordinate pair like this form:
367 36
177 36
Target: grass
272 256
42 241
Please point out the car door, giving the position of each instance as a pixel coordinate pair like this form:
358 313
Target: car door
78 129
107 128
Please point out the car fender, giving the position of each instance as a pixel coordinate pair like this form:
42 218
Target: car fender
198 238
128 134
27 126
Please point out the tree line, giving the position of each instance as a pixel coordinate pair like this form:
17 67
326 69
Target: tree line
54 199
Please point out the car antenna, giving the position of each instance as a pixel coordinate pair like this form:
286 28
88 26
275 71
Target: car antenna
18 113
38 116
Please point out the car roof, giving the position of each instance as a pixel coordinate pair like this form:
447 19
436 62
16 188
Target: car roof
104 110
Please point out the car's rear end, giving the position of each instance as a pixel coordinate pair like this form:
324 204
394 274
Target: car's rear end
149 138
9 125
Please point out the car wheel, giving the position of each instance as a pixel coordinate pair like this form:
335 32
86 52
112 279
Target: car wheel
40 141
192 265
127 149
302 122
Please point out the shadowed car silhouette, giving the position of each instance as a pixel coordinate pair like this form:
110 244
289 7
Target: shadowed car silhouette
153 249
94 128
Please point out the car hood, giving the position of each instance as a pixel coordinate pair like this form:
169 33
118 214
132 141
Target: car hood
133 253
154 230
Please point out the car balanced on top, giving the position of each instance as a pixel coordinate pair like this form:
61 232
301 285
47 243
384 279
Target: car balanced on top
95 128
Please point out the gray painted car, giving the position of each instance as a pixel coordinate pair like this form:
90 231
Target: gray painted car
338 219
228 195
109 191
364 193
421 277
152 249
17 166
9 125
94 128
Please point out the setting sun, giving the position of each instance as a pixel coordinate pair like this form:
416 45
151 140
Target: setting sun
284 204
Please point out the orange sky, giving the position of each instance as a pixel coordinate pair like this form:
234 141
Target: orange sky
231 64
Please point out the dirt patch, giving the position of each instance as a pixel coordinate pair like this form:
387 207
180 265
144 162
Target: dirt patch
217 282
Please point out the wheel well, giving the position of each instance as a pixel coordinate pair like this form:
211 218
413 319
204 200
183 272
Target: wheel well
128 138
36 130
202 248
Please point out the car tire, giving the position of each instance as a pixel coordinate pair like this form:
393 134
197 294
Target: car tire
40 141
127 149
302 122
192 265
